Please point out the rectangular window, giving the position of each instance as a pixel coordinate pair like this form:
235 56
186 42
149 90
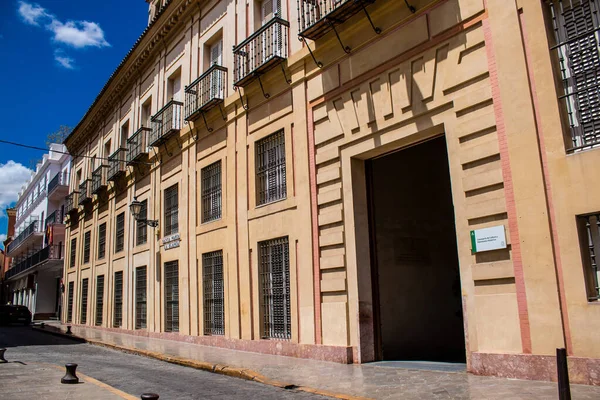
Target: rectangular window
120 233
214 305
171 211
172 296
589 237
70 302
142 228
99 299
576 28
84 301
73 255
211 192
140 298
102 241
87 239
274 269
270 169
118 300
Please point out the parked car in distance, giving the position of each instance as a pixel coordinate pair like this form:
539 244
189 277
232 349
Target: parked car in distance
10 314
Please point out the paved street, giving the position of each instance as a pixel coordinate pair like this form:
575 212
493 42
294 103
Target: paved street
127 373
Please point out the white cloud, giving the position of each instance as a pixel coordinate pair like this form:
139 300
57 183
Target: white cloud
64 60
32 13
12 177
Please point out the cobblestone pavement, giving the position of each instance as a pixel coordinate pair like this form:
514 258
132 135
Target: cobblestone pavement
357 380
33 373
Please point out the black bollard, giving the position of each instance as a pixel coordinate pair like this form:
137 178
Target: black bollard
69 330
42 325
2 359
564 390
70 377
150 396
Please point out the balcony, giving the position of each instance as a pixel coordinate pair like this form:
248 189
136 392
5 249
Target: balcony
264 49
54 218
58 187
117 166
32 231
85 192
99 182
205 92
318 17
52 252
72 202
165 123
137 146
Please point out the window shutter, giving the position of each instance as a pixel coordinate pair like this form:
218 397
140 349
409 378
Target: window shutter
267 11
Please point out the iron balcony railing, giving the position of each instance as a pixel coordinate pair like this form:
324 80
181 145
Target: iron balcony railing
71 202
54 218
165 122
85 191
99 182
137 145
51 252
317 17
117 164
32 228
205 92
263 50
58 180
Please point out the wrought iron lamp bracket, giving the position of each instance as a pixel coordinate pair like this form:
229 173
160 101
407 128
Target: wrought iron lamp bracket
331 23
156 154
222 112
206 123
178 142
410 7
266 95
288 81
237 89
167 149
376 29
303 39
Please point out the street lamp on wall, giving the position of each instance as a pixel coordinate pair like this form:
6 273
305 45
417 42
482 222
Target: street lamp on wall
136 207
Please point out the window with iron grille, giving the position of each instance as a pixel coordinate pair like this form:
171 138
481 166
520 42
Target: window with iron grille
171 211
118 300
102 240
140 298
87 239
274 267
214 303
172 296
99 299
589 237
142 228
576 24
73 255
211 192
84 301
120 233
70 302
270 169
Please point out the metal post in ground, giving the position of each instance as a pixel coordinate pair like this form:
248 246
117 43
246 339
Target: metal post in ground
69 330
150 396
564 390
71 376
2 359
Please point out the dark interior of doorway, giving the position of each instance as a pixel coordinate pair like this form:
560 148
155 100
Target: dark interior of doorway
416 281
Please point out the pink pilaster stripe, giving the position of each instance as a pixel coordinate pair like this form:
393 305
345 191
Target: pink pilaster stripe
508 192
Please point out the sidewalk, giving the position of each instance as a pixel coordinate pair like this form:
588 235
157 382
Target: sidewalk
336 380
25 381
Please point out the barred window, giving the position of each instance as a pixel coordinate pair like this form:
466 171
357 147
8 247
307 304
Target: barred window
172 296
73 255
140 298
120 233
270 169
84 301
589 237
274 269
142 228
70 302
211 192
102 241
576 24
87 239
99 299
118 300
171 211
214 305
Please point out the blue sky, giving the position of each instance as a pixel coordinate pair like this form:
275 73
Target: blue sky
55 57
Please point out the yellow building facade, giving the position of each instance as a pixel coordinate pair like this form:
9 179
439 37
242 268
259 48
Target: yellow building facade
411 180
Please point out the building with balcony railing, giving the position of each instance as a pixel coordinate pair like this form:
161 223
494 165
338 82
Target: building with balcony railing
35 247
312 167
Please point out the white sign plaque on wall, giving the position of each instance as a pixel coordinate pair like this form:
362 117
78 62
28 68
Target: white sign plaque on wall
487 239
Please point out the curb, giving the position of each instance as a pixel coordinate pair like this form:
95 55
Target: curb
241 373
